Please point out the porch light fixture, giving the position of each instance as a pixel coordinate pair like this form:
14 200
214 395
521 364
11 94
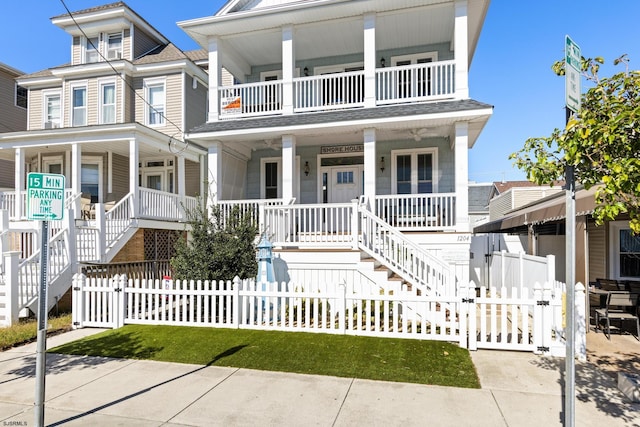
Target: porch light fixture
307 169
382 62
306 71
382 164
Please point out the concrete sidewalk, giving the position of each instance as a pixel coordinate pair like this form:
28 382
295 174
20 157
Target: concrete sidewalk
518 389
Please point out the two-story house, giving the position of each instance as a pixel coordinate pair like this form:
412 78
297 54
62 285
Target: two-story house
337 101
112 121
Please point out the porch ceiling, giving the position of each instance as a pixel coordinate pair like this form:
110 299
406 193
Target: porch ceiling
95 139
333 28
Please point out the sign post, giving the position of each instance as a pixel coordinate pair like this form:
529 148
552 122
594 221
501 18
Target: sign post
45 202
573 93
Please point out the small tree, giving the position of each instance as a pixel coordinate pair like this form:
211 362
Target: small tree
219 248
601 142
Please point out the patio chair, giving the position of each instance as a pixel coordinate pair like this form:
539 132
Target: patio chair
610 285
617 308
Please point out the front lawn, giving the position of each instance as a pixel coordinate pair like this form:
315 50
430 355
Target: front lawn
26 331
424 362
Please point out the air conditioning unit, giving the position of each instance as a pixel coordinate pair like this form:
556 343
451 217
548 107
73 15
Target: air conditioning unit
114 54
51 125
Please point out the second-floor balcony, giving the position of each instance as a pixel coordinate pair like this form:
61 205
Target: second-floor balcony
393 85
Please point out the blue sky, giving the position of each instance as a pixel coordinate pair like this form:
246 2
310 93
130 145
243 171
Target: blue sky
511 69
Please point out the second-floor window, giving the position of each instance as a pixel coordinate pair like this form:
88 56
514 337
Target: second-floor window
52 111
155 106
79 112
91 50
114 46
107 103
21 96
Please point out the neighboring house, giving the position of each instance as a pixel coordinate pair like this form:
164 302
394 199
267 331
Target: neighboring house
13 114
112 121
479 197
337 101
509 195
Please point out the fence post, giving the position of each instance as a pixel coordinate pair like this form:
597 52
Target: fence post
472 314
580 323
463 301
69 224
101 244
77 313
12 288
538 324
121 286
521 272
551 268
355 231
547 316
342 307
236 302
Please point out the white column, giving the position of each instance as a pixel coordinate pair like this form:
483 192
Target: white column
461 153
76 167
370 60
19 181
181 184
288 67
370 165
203 178
214 174
134 171
461 50
214 79
288 166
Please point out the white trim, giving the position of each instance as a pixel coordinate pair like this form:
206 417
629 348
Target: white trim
278 160
46 94
414 171
320 169
79 85
52 160
614 249
109 172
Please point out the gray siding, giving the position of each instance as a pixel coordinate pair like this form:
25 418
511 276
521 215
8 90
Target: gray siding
126 45
192 178
7 171
597 251
120 178
195 103
142 42
12 118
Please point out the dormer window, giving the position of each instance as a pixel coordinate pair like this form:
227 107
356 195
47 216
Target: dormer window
91 50
114 46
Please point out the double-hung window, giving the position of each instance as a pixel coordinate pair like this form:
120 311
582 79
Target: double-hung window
107 103
114 46
21 96
52 110
91 50
155 107
79 106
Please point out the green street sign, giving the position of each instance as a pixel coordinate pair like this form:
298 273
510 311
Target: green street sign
573 90
45 196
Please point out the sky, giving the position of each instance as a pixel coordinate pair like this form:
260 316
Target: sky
511 68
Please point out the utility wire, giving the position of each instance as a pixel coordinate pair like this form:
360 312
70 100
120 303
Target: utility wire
172 140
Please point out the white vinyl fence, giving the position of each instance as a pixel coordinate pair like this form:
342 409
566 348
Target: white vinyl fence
498 319
521 271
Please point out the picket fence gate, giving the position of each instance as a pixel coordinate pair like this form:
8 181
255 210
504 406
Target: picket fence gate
475 318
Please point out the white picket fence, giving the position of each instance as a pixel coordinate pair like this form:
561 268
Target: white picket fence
497 319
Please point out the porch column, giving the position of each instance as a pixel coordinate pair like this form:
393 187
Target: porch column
461 50
369 61
76 168
133 174
461 153
370 165
214 175
202 160
181 183
19 182
288 166
214 79
288 67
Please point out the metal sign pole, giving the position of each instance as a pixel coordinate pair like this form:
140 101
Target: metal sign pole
42 326
570 361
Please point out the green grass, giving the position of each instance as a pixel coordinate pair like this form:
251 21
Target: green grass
27 331
424 362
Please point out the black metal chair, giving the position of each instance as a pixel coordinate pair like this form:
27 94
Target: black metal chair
617 308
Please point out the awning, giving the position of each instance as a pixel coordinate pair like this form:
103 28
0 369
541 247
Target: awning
545 210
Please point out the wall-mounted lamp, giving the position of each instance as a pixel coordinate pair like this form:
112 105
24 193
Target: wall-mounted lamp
307 169
306 71
382 62
382 165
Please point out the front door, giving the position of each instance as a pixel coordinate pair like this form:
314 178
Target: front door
346 183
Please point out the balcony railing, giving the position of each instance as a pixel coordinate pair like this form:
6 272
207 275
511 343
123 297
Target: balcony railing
394 85
434 211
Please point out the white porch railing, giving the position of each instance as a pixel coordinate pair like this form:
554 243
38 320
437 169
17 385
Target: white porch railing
161 205
432 211
329 91
252 99
251 207
418 82
8 202
394 85
118 219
